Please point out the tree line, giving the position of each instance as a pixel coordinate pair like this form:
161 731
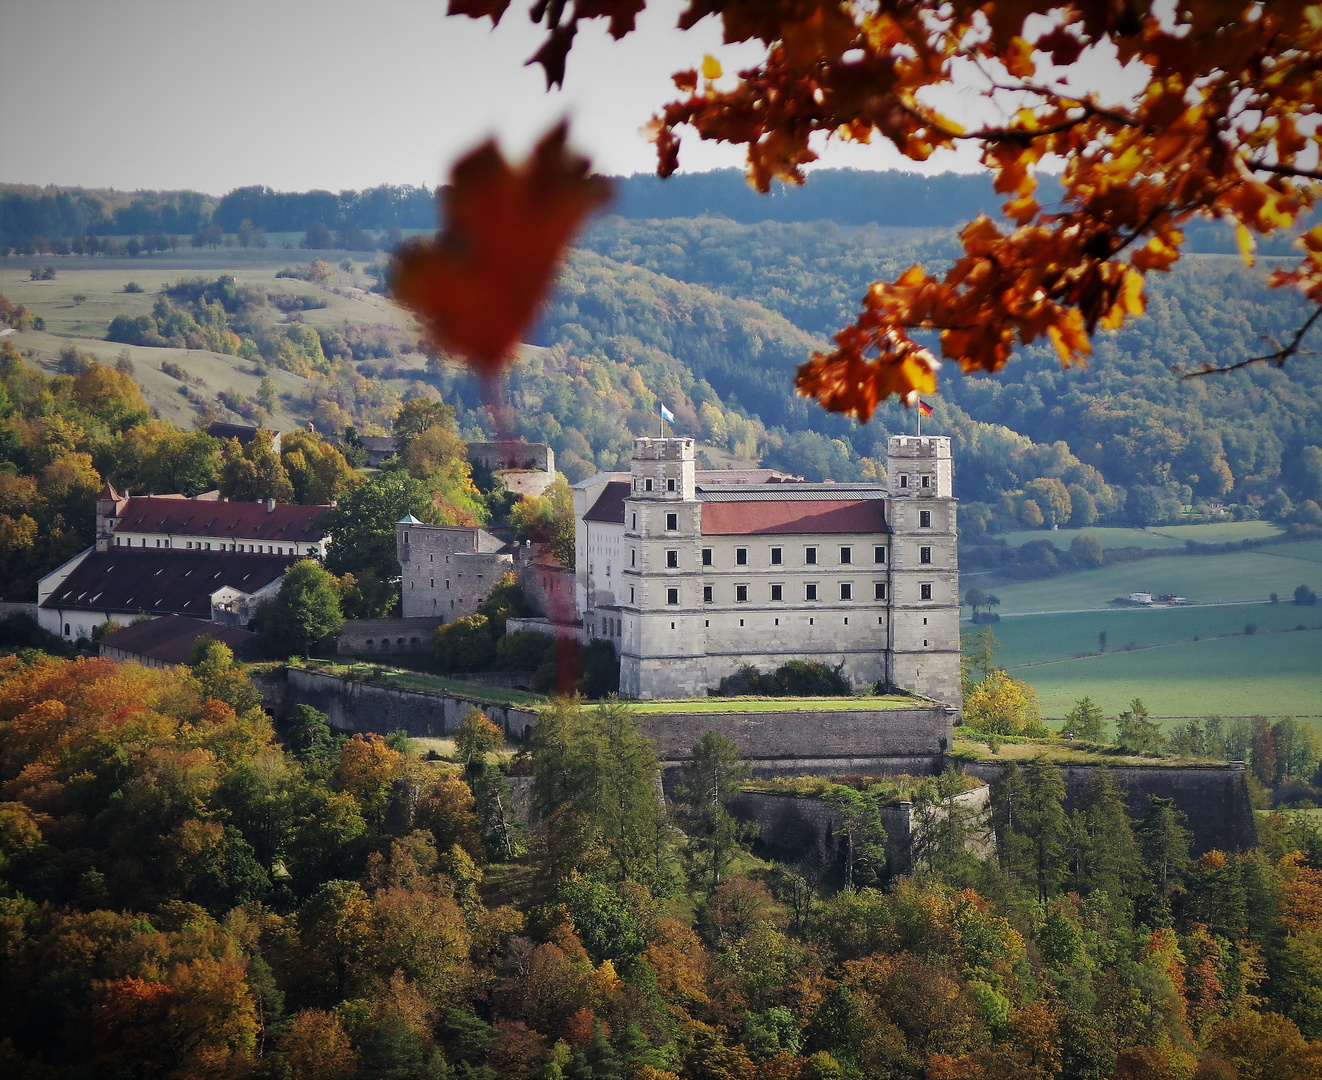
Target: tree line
189 890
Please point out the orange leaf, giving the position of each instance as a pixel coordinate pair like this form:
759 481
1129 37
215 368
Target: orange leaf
477 287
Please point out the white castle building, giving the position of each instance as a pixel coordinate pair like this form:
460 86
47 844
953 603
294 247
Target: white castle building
693 575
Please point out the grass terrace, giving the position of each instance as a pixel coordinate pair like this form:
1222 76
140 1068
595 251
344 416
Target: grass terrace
401 679
886 789
974 746
776 704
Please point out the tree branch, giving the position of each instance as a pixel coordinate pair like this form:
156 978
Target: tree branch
1279 357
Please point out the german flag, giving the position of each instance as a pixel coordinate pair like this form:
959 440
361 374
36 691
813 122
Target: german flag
924 408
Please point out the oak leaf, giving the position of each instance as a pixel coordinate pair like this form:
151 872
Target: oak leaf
477 287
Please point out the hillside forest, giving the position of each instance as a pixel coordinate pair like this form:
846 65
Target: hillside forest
188 891
711 314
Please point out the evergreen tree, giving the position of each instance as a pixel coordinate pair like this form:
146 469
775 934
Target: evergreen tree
1136 733
1032 830
1164 843
708 779
1084 721
1105 855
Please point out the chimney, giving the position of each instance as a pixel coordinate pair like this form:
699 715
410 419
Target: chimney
270 506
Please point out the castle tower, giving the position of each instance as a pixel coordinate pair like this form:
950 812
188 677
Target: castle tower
663 642
109 506
924 568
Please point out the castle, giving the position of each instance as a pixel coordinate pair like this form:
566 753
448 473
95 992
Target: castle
692 575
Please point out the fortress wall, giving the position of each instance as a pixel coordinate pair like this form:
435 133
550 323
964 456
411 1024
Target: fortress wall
352 706
1215 798
921 731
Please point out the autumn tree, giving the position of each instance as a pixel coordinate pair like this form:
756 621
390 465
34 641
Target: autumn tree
254 473
1002 705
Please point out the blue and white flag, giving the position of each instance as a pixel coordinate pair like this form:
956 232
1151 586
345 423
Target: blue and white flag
667 415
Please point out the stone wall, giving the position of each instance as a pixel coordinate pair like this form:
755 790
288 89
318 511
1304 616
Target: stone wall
352 706
920 731
1215 798
796 825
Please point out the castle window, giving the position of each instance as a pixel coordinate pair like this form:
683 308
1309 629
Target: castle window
924 519
926 481
846 591
447 583
634 526
810 556
810 591
672 559
904 481
741 594
672 596
706 556
672 522
777 592
924 591
647 484
431 558
925 555
633 557
879 554
706 594
433 583
776 556
741 556
670 484
846 555
741 622
879 590
631 594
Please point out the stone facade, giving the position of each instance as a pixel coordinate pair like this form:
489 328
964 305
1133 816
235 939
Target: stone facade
447 570
526 468
375 637
692 580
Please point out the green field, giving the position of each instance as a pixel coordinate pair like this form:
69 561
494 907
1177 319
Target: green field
1272 674
1165 536
1233 577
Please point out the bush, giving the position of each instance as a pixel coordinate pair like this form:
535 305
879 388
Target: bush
1304 596
523 650
983 617
798 678
465 644
133 287
571 668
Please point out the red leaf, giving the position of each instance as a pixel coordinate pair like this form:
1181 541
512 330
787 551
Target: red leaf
476 9
477 287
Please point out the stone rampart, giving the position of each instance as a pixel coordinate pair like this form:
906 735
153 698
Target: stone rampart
798 825
1215 798
353 706
919 731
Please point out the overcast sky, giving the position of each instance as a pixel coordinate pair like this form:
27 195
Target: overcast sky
300 94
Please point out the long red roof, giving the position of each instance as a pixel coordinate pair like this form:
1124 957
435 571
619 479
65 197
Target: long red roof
793 516
225 520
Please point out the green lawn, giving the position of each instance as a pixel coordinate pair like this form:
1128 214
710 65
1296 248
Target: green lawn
435 684
788 704
1225 578
1271 674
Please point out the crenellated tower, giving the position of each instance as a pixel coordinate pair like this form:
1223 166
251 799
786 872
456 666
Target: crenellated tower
924 568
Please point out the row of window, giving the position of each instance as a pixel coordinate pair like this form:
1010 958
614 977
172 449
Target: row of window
672 522
777 559
777 592
200 545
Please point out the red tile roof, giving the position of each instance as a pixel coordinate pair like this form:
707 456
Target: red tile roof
226 520
793 516
162 582
169 639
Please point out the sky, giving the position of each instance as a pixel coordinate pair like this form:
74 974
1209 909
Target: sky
335 94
